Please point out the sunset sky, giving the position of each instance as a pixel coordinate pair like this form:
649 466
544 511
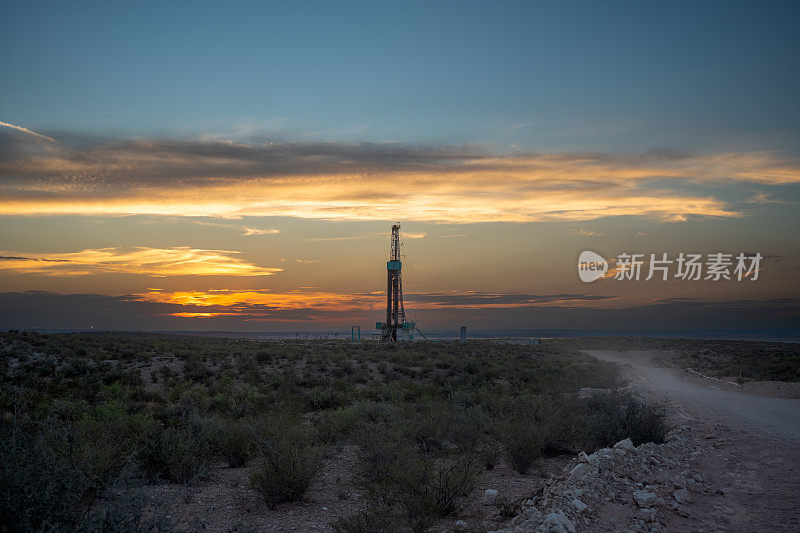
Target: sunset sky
238 166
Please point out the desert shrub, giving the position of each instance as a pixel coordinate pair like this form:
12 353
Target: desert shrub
421 488
42 490
233 442
469 425
373 521
522 444
321 397
180 452
124 506
490 457
287 463
614 416
431 426
375 412
264 357
334 426
106 439
432 488
37 490
418 487
508 508
531 426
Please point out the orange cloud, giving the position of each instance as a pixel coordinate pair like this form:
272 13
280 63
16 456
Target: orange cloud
262 304
271 300
375 182
157 262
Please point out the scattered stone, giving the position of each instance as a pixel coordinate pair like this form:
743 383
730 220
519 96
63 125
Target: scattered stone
681 510
580 470
558 523
579 505
627 478
648 515
626 445
644 498
489 497
573 493
461 527
682 496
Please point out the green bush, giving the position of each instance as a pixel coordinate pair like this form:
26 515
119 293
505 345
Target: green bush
617 415
234 442
404 481
489 457
431 426
37 490
334 426
319 398
531 426
41 490
108 438
182 452
287 464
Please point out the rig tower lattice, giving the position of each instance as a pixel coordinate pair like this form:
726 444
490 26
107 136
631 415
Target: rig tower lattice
395 324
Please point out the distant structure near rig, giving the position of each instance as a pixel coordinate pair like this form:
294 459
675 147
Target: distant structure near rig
395 325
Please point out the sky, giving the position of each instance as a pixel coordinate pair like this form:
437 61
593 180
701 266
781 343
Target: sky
238 166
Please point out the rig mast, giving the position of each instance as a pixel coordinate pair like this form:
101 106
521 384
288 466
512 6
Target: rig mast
395 313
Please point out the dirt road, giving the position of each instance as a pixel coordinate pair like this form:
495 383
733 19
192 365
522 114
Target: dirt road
750 449
776 416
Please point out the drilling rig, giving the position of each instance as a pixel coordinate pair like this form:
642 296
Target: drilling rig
395 325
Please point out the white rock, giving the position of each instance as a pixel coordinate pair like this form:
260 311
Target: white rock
644 498
682 496
573 493
580 470
489 497
558 523
583 458
626 445
579 505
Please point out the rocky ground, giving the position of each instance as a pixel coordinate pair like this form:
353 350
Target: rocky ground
707 476
688 483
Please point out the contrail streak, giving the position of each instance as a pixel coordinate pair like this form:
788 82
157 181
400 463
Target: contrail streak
26 130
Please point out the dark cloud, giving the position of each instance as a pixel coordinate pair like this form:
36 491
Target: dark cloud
16 258
98 161
474 298
338 180
79 311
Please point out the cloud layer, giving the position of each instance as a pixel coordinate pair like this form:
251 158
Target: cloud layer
270 305
80 311
341 181
157 262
